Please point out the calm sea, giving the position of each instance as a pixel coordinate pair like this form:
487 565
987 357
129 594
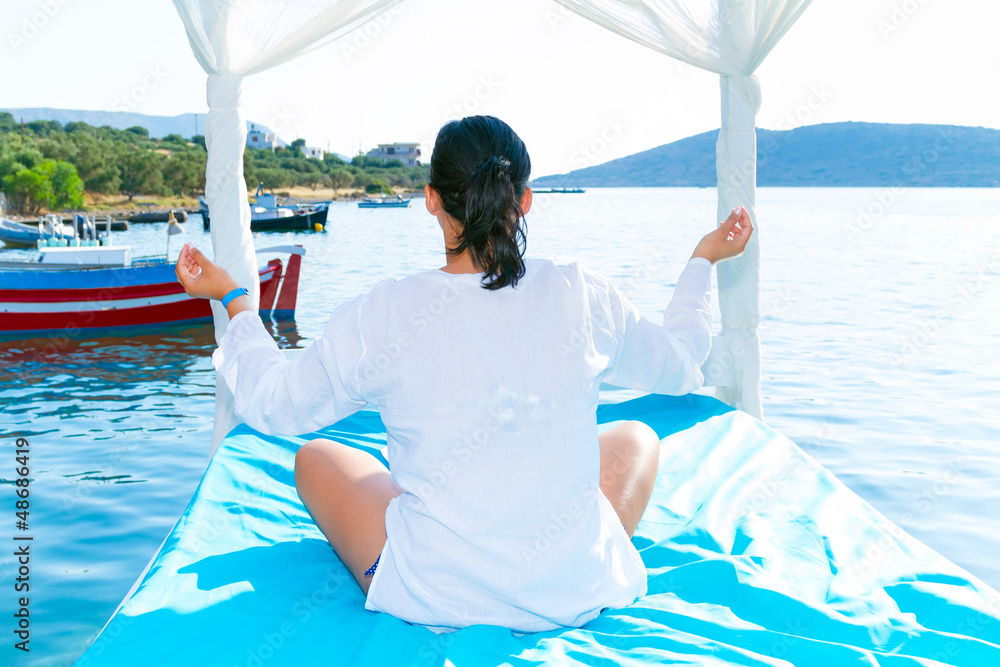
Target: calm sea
880 334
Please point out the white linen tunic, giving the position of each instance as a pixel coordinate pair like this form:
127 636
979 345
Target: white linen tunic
489 400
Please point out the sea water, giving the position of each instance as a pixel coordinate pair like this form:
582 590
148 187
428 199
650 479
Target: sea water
880 334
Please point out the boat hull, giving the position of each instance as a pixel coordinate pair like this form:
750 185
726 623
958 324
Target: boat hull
159 216
71 323
377 204
20 235
80 301
310 221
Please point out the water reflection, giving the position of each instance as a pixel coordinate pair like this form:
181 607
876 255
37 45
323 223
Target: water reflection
116 364
284 331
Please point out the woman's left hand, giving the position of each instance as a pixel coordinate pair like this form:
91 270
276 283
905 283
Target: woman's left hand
201 277
729 240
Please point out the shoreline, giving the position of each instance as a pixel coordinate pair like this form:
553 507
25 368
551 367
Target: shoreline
120 208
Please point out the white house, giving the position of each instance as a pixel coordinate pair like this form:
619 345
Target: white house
260 139
313 152
408 154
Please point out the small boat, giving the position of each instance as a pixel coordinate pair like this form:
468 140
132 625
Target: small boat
395 201
266 215
20 235
111 225
159 216
74 290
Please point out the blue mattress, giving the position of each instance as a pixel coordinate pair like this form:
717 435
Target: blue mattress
756 555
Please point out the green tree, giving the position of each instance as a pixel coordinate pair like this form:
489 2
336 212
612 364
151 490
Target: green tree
96 162
9 163
7 122
64 182
184 171
378 186
273 178
138 130
27 190
51 184
79 126
43 128
331 161
312 179
140 171
27 155
341 178
362 179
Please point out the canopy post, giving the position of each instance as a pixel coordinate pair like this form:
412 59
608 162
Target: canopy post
739 278
232 39
732 40
226 190
226 194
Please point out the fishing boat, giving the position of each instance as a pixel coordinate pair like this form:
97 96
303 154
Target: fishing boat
19 235
395 201
266 215
159 216
82 290
54 229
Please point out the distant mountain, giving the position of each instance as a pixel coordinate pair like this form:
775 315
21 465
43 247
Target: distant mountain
831 154
186 124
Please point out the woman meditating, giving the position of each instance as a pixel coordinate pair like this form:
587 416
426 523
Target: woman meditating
501 504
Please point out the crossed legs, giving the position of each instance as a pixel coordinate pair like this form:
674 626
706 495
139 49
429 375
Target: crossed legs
347 490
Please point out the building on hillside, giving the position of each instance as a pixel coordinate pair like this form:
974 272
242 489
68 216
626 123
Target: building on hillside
260 139
313 152
408 154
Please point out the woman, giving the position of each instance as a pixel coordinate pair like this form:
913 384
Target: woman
503 504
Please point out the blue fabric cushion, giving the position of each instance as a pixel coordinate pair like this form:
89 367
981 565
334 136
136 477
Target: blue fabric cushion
756 555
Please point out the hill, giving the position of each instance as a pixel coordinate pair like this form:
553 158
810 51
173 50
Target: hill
830 155
185 125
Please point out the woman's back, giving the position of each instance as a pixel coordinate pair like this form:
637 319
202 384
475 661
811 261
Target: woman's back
484 394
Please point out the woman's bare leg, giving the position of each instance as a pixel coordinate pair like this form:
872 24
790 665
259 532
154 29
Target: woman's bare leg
630 458
347 492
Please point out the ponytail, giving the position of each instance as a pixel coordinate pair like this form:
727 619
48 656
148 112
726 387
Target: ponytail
480 168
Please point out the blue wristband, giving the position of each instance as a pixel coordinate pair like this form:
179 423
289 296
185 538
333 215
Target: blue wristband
235 294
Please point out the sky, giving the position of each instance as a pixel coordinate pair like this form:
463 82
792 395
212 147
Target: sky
566 85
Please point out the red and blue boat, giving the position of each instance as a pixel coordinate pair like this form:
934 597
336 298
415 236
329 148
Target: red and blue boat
54 296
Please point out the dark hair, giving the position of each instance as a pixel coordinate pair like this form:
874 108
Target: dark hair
480 169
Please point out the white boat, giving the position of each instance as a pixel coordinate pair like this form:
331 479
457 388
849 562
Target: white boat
395 201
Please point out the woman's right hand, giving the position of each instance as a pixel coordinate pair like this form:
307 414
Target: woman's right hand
201 277
729 240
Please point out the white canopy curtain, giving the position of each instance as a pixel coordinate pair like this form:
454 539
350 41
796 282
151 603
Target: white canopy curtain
232 39
730 38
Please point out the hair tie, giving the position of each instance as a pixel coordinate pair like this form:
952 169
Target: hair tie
497 165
